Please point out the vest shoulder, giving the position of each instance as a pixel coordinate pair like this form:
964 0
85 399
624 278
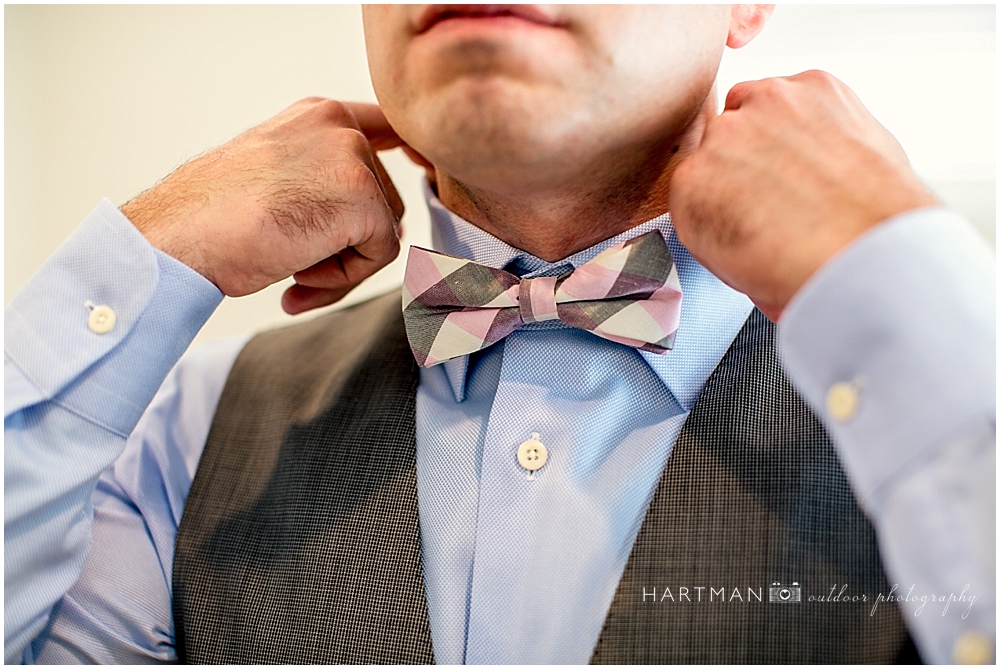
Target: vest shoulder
302 362
345 326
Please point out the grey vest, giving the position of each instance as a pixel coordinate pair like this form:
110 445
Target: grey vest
300 540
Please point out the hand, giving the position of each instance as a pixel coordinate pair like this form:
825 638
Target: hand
792 171
301 195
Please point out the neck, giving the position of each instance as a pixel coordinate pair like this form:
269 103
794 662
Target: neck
610 198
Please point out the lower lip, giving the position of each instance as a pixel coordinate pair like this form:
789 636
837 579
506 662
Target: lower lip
467 24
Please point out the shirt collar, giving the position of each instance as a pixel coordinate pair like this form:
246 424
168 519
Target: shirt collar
712 313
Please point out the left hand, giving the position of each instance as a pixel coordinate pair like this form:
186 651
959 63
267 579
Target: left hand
792 171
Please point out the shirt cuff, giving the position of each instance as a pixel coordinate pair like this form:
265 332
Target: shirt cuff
105 369
892 343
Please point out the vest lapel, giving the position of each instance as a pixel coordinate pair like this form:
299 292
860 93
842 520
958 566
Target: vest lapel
300 539
752 494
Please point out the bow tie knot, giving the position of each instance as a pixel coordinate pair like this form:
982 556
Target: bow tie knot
537 299
629 294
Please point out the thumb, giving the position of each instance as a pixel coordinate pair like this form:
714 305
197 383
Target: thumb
372 122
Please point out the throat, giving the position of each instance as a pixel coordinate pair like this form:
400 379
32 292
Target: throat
553 225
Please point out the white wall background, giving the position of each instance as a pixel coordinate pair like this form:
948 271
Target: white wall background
102 101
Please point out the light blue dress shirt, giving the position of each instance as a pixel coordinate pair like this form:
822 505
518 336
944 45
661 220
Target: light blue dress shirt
516 570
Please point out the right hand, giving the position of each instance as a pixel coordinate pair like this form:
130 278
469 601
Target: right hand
790 174
301 195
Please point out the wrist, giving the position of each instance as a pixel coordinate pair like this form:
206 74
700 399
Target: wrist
897 200
166 220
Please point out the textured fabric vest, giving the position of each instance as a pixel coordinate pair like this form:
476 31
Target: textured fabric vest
300 539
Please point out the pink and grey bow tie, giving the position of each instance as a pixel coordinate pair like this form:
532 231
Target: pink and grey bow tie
629 294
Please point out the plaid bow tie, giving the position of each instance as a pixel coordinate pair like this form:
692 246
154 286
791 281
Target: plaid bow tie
629 294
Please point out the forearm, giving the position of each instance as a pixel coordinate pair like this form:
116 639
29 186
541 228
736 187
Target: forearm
73 393
893 344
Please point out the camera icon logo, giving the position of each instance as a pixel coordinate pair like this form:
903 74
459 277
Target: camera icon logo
785 594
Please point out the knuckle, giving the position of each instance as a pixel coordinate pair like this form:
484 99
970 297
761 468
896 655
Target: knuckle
818 76
822 80
778 94
310 101
739 90
775 88
299 107
336 112
353 141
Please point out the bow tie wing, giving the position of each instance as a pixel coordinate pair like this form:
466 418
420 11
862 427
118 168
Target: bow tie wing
630 294
453 307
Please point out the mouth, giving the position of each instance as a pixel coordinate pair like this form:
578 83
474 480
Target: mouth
437 16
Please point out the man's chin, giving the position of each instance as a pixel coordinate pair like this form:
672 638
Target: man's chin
495 133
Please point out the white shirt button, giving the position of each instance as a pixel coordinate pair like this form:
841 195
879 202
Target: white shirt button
102 319
973 648
532 454
842 401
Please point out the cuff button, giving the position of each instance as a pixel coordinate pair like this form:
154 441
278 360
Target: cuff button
842 401
102 319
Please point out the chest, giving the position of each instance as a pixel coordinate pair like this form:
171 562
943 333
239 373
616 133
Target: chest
496 535
300 540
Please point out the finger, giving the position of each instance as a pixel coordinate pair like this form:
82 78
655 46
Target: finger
373 123
329 280
342 270
338 271
417 158
389 190
372 253
325 282
297 299
328 273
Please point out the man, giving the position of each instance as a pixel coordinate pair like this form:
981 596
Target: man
534 498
